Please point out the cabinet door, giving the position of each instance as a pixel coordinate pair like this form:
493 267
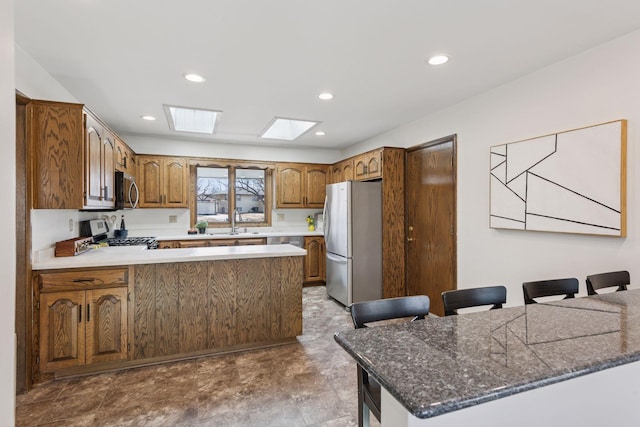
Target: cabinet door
57 145
62 330
290 186
314 265
336 173
93 162
168 244
347 170
316 182
108 167
176 176
106 330
374 164
122 157
150 176
360 167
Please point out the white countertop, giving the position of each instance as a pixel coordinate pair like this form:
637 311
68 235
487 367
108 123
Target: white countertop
129 255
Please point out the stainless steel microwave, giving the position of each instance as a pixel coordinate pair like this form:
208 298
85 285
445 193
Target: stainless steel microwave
127 193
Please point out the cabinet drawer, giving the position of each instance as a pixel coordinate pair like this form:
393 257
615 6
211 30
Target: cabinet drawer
83 279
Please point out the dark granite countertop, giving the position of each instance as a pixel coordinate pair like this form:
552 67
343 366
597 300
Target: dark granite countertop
440 365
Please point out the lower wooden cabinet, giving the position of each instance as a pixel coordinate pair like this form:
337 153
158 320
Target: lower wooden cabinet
82 319
204 243
314 263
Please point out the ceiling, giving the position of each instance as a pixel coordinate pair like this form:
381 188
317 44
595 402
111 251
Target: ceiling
262 59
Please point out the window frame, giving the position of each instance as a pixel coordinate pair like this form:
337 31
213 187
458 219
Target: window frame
231 166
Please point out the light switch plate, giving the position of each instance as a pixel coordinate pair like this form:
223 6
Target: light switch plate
280 217
70 224
173 218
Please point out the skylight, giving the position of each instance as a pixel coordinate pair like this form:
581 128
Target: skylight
182 119
287 129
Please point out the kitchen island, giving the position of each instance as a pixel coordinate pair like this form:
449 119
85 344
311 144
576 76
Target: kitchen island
571 362
116 307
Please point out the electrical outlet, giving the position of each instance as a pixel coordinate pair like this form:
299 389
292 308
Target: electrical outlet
173 218
70 225
280 217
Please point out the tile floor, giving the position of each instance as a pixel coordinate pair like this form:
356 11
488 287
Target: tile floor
308 383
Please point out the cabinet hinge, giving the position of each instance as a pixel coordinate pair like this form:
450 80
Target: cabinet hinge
38 305
37 359
128 296
128 347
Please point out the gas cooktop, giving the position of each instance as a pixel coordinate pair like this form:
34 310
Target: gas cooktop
151 242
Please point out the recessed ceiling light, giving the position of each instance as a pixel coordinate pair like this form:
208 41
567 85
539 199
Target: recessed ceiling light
287 129
149 118
438 59
194 78
325 96
320 133
183 119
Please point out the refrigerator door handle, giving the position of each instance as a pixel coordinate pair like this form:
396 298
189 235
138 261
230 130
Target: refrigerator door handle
337 259
325 219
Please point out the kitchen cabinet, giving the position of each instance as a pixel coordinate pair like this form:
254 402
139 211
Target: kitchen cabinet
368 165
203 243
100 148
82 318
314 262
72 157
125 158
163 182
342 171
300 185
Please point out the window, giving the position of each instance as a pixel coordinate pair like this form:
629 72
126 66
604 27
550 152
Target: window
216 199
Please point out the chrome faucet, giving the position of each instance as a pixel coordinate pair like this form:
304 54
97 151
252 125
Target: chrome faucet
233 221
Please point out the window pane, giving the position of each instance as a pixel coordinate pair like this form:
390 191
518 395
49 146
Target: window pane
250 195
212 194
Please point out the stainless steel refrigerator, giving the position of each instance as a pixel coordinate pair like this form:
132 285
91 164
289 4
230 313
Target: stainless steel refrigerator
353 237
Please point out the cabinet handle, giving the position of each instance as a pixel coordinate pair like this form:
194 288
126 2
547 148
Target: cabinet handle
84 280
80 313
88 312
106 192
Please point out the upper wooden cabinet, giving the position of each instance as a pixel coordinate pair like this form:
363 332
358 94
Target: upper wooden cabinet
300 185
125 158
100 149
72 157
342 171
163 182
368 165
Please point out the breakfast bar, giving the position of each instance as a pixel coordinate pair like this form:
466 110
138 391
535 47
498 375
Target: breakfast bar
570 362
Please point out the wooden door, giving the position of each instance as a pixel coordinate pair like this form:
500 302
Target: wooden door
175 183
431 220
150 175
106 331
316 180
289 186
62 330
93 162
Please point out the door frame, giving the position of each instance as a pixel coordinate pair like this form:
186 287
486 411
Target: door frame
453 138
23 247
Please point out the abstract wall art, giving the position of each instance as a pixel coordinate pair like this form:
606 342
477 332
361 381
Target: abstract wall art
568 182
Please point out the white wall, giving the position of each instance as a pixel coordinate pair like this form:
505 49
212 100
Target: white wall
7 215
596 86
35 82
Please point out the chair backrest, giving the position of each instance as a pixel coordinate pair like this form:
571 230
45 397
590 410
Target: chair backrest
544 288
390 308
606 280
474 297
